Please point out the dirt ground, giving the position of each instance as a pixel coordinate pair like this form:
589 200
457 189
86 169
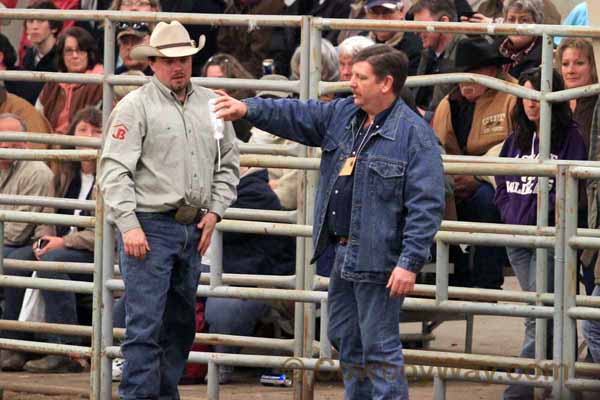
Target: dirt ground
492 335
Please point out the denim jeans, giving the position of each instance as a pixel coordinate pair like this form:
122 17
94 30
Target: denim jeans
364 325
160 298
523 262
488 261
60 307
591 332
233 317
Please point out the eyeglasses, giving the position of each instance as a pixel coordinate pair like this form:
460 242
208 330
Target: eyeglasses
136 26
139 3
72 52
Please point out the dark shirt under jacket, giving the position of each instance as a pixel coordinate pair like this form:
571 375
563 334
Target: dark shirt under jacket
31 90
340 204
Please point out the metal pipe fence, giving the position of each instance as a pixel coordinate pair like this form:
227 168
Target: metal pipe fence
561 374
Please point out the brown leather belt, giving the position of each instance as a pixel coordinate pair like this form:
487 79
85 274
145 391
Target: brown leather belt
189 215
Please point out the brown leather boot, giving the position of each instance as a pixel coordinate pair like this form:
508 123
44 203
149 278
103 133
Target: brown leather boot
53 363
12 360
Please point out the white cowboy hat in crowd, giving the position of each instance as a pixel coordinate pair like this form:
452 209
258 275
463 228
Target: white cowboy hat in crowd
168 40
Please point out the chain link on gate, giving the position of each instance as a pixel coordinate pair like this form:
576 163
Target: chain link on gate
562 373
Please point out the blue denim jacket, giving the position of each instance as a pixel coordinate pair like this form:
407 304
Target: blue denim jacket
398 198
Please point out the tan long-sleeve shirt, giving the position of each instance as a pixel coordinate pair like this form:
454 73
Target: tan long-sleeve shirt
24 178
160 154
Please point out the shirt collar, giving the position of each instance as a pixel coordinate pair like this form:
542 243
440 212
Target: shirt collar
168 92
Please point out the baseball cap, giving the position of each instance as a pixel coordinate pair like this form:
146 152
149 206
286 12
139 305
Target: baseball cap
139 29
390 4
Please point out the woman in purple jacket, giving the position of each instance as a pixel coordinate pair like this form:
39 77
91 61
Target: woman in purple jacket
516 196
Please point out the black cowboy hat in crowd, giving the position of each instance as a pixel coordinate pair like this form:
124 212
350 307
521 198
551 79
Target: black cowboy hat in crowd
477 52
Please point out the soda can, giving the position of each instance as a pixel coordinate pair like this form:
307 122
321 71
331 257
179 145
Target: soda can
275 380
268 66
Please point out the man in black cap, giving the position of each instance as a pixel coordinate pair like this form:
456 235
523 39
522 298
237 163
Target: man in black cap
474 120
131 34
407 42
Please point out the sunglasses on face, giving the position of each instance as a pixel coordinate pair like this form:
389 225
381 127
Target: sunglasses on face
136 26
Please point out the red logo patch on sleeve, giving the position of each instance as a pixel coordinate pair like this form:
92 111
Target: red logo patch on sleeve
119 132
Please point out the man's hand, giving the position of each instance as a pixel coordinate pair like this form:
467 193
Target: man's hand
401 282
54 243
228 108
207 225
465 186
135 243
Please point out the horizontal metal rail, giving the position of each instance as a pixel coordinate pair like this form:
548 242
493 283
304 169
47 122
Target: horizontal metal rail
45 348
252 21
50 138
247 214
46 218
454 27
56 285
48 155
269 149
55 202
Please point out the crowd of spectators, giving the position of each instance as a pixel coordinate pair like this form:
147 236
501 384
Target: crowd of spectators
468 118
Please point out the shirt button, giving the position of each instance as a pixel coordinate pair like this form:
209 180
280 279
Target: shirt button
337 191
353 153
333 213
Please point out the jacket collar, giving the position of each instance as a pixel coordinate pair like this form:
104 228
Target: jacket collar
388 129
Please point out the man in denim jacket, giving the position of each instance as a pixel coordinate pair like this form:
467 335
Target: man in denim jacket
380 202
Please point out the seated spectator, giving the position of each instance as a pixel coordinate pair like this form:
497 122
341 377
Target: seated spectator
77 53
68 244
516 196
42 52
439 52
408 42
34 120
250 47
61 5
223 65
492 11
24 178
248 254
284 182
575 61
8 58
524 51
130 35
472 120
577 17
346 50
330 68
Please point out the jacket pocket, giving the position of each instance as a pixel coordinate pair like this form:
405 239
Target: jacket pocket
386 178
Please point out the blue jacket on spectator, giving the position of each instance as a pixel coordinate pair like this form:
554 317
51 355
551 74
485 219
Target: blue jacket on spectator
245 253
398 196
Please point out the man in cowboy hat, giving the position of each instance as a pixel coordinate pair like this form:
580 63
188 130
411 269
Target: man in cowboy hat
167 177
474 120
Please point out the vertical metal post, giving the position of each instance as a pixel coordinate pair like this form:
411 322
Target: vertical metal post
442 258
101 379
213 381
216 264
312 180
541 327
325 345
559 276
108 262
301 215
569 333
439 388
97 303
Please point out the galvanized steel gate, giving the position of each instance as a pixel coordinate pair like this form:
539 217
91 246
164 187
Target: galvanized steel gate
563 375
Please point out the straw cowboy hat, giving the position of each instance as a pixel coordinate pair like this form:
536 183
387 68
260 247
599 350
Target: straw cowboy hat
168 40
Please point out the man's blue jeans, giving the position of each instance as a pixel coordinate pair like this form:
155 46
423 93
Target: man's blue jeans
160 298
364 327
591 332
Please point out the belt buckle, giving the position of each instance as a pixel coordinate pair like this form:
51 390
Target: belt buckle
188 215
